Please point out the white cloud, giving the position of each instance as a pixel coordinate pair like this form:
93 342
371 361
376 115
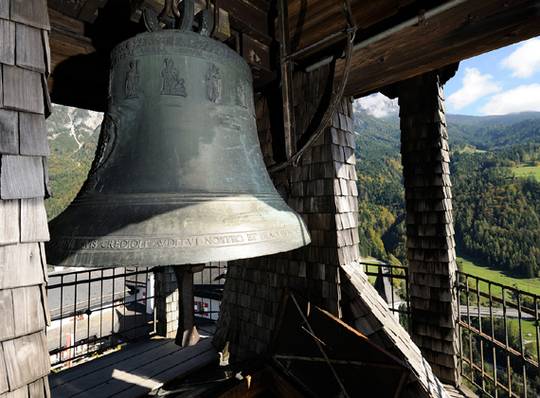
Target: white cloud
475 85
524 60
520 99
377 105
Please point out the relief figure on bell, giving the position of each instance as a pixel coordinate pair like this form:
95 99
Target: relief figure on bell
213 84
171 84
242 94
131 85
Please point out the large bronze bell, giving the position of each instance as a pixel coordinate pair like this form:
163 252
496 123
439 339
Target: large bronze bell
178 176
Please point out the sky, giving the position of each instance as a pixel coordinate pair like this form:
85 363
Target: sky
503 81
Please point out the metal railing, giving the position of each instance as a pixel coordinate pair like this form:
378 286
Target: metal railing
96 309
499 337
208 290
392 283
499 329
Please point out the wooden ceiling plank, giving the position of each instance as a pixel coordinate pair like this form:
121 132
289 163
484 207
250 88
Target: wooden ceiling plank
71 8
462 32
62 22
89 11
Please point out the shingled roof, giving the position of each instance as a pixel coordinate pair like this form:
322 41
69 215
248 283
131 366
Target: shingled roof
369 314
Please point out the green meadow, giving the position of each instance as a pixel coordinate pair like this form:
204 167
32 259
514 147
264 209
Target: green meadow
531 285
527 171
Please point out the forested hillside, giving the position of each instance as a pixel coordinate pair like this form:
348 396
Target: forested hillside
497 212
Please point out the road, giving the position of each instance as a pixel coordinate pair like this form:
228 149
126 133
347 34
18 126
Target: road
497 312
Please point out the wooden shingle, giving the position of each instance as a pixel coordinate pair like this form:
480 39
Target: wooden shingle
39 389
9 132
9 222
7 326
29 48
30 315
33 135
18 393
47 103
4 9
47 51
23 89
4 386
20 265
21 177
27 359
33 13
7 38
34 227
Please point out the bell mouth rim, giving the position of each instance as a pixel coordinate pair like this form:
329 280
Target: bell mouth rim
113 199
135 251
219 49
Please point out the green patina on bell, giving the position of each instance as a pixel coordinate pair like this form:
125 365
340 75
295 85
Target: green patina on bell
178 176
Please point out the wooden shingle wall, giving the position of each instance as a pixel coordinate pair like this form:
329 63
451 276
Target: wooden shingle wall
166 302
24 65
430 231
322 189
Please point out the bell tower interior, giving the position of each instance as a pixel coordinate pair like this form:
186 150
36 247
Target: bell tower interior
228 142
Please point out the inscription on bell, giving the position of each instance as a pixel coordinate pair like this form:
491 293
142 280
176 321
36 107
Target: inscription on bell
171 83
214 84
131 84
172 243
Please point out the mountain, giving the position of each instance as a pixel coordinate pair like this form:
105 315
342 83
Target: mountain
503 120
382 135
72 135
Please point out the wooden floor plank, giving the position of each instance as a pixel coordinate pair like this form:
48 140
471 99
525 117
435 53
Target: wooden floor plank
130 351
102 375
153 373
179 370
136 369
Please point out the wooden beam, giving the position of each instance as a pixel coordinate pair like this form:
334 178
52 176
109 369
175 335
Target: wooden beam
312 20
467 30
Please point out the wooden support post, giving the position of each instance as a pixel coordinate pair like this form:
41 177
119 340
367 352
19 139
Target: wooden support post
186 334
286 80
430 232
